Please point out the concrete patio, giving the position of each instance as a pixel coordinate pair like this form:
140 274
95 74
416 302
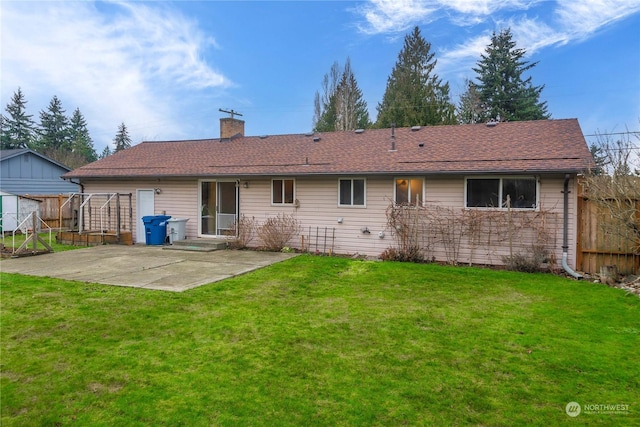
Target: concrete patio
140 266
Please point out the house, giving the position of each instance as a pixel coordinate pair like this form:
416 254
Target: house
23 174
24 171
339 185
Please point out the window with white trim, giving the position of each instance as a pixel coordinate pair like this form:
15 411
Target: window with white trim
521 192
282 191
351 192
408 190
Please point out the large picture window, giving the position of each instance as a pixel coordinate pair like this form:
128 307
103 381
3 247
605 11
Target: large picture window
351 192
408 191
282 191
521 192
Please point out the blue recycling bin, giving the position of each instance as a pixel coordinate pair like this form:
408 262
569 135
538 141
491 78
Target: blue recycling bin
155 229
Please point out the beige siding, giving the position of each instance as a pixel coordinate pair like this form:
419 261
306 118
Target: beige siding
318 209
178 198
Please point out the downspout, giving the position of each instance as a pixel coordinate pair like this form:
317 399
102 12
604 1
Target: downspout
565 231
76 183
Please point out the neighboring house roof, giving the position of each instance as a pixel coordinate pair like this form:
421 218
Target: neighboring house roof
24 171
514 147
7 154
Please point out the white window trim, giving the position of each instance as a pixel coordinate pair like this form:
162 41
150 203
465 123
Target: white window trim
352 206
500 178
424 186
283 179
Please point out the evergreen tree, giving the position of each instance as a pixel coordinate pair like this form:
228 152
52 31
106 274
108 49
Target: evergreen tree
504 93
341 106
122 139
324 108
105 153
599 157
470 106
351 108
54 128
81 142
414 94
17 129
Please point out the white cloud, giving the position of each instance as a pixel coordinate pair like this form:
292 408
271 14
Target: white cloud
566 21
117 62
579 19
388 16
484 7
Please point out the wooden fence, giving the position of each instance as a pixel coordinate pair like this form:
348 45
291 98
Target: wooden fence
602 240
50 207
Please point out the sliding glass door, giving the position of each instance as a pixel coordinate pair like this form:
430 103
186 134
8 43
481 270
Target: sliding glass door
218 207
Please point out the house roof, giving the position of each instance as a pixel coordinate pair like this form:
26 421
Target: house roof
515 147
8 154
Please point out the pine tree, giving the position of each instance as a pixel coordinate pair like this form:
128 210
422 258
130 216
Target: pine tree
351 108
106 152
504 94
54 128
414 94
324 109
81 142
470 106
342 106
122 140
17 129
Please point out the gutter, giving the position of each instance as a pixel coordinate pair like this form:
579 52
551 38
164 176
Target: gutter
76 183
565 231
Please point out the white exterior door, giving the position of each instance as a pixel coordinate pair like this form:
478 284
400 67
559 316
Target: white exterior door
144 207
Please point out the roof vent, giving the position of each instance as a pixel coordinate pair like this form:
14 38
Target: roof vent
415 128
491 123
316 139
308 134
421 145
264 136
359 131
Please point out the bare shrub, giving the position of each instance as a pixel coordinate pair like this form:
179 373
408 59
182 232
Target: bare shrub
410 254
244 231
405 224
532 261
276 232
455 233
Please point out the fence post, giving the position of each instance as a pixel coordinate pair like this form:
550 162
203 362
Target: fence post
34 231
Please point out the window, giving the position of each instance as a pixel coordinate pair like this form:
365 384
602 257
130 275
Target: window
408 190
522 192
282 191
351 192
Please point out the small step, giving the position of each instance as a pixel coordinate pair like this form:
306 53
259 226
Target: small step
201 245
190 248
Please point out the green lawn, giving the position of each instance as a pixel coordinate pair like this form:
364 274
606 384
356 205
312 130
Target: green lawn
321 341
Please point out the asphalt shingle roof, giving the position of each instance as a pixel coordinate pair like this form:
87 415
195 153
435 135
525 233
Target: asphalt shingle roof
515 147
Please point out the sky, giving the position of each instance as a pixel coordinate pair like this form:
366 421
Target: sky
166 68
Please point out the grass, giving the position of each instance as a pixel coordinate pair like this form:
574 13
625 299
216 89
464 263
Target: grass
8 241
321 341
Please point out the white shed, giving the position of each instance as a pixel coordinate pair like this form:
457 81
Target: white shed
14 209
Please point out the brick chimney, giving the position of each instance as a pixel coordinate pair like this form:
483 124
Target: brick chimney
230 127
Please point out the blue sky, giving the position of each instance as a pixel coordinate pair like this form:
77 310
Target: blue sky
165 68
